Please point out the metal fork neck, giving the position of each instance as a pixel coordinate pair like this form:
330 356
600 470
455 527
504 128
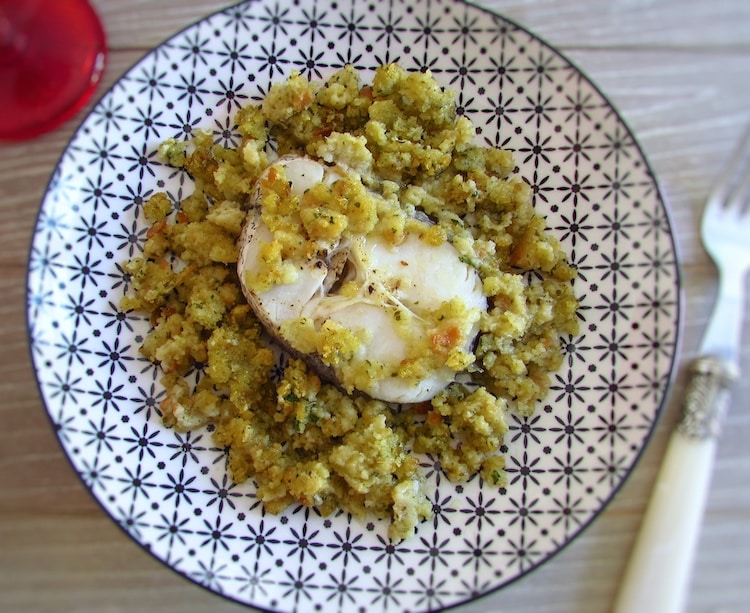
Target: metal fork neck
725 324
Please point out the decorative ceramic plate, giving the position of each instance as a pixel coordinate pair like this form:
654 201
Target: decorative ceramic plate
171 493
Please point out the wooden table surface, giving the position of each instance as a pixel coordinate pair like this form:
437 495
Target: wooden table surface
679 72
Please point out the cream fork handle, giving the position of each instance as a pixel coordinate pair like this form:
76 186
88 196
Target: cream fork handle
658 572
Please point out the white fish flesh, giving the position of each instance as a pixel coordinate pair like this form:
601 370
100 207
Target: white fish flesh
398 288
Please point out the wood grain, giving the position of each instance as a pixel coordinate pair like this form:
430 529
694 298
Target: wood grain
679 72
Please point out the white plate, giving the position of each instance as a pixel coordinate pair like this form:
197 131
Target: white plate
170 492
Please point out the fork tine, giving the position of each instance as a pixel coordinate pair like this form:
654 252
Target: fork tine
740 199
737 168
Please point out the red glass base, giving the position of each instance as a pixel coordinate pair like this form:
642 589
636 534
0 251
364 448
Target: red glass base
52 56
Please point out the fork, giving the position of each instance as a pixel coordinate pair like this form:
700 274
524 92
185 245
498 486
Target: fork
658 572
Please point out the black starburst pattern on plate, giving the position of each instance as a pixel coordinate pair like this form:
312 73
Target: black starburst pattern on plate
171 492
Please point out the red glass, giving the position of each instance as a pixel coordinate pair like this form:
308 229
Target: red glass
52 56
